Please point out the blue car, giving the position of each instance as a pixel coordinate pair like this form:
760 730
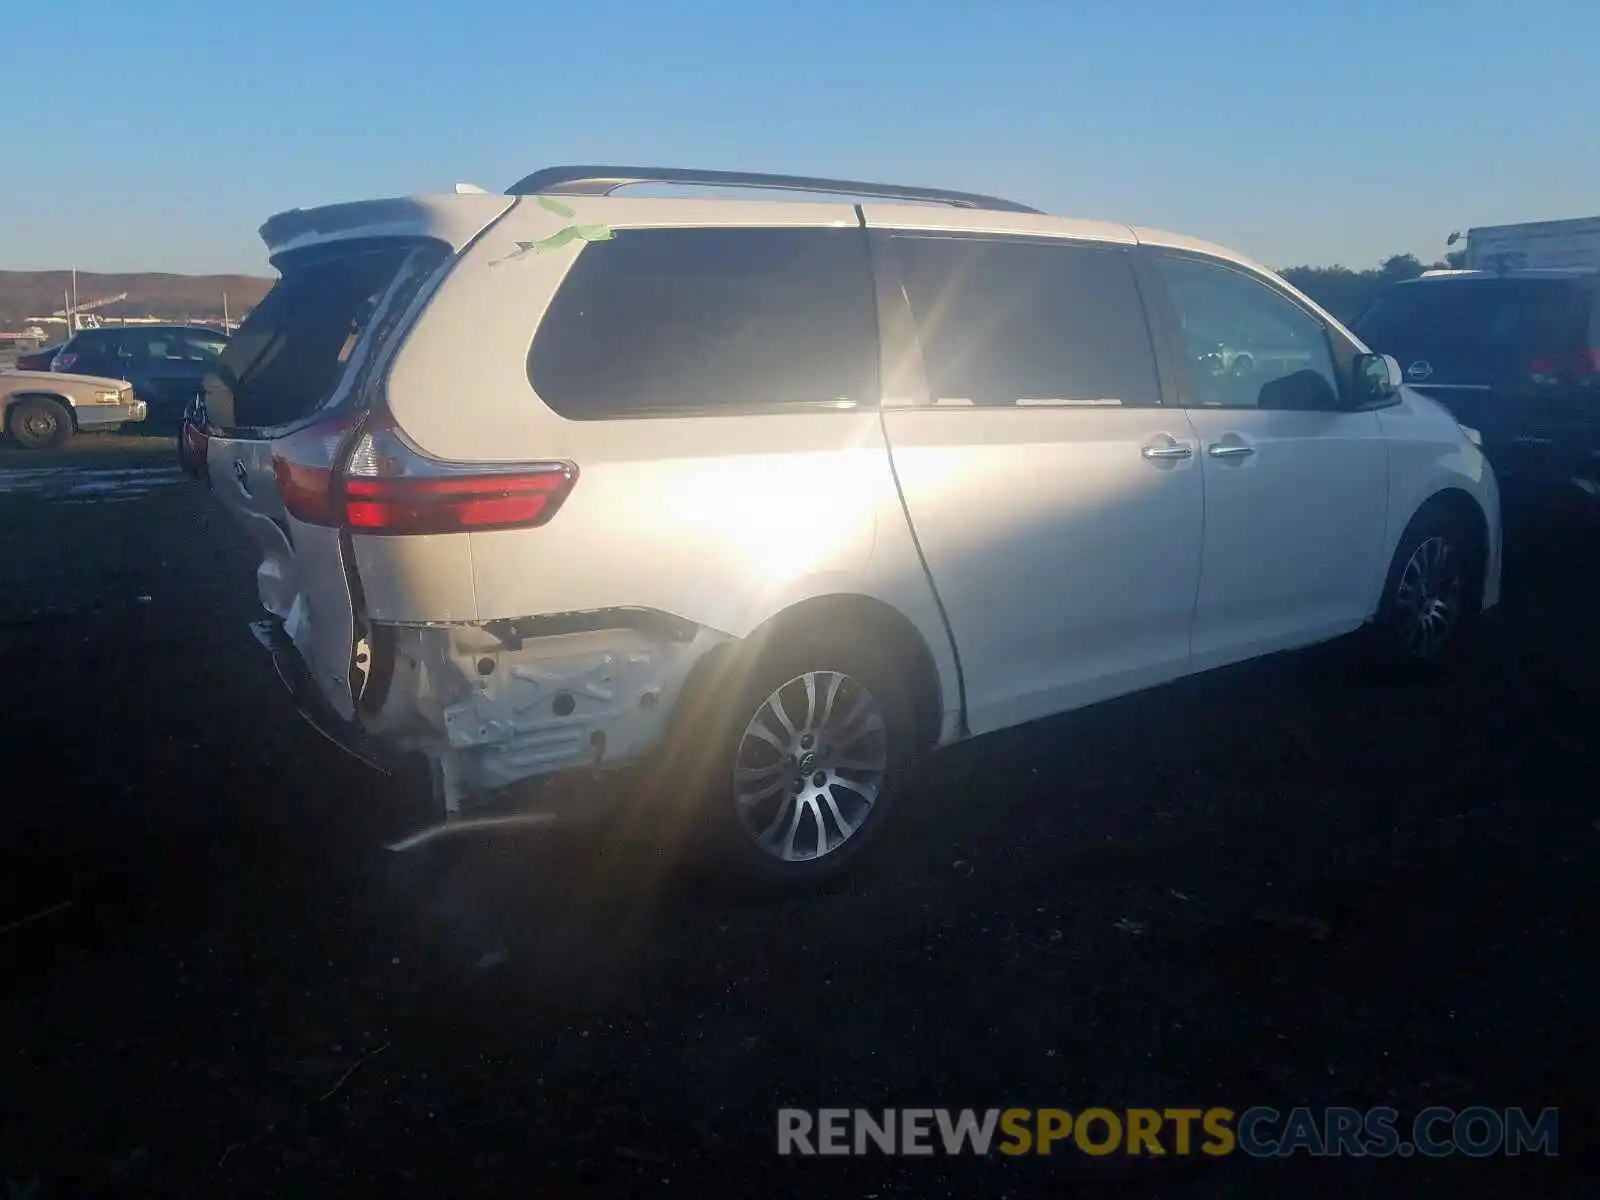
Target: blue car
165 363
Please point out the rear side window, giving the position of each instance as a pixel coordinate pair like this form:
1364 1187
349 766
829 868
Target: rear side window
1016 322
93 342
288 357
673 321
156 346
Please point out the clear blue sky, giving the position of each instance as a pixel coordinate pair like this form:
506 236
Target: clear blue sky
158 134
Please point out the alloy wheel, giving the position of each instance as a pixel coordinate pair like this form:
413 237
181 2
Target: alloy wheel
1428 600
810 765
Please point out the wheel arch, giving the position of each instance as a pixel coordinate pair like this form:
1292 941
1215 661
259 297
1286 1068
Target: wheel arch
849 616
1462 506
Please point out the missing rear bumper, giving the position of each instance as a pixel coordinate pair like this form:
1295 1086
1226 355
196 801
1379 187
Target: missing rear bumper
498 709
313 709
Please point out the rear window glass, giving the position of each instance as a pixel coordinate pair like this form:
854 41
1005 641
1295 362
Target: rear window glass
1401 315
1480 324
1547 321
665 321
288 357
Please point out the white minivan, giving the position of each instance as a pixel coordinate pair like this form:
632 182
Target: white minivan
778 494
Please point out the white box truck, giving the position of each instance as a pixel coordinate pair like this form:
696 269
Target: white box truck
1573 244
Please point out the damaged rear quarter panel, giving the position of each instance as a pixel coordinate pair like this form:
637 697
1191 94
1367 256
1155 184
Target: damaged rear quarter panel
426 578
723 521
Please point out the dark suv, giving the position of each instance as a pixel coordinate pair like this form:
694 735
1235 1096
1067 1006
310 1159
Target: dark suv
165 363
1515 356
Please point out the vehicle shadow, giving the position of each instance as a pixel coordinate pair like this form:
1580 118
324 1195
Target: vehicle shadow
106 448
1107 772
1274 883
1128 787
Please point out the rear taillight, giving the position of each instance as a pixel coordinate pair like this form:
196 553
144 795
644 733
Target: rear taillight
389 488
195 446
1585 364
451 505
306 466
380 485
63 361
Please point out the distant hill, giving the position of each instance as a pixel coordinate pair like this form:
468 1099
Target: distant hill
150 294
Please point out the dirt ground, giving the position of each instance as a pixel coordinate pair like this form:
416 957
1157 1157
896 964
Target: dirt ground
1275 885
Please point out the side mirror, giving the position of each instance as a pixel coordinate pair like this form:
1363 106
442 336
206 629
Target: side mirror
1377 380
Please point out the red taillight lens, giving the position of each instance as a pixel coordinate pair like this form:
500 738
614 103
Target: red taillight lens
306 465
386 487
454 504
1585 362
307 492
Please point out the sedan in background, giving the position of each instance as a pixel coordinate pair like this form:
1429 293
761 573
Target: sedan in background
41 409
166 364
38 360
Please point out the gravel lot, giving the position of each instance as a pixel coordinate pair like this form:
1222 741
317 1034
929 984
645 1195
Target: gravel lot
1274 885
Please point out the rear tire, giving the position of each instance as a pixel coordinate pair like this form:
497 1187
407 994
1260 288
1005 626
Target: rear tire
1430 597
805 751
39 423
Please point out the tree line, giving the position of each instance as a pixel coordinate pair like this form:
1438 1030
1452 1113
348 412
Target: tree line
1346 293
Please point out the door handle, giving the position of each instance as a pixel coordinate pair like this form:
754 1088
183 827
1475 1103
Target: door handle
1230 450
1177 450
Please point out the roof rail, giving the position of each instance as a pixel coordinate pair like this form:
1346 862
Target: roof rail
601 181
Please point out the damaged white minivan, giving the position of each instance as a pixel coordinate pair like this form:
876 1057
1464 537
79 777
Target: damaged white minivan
777 494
